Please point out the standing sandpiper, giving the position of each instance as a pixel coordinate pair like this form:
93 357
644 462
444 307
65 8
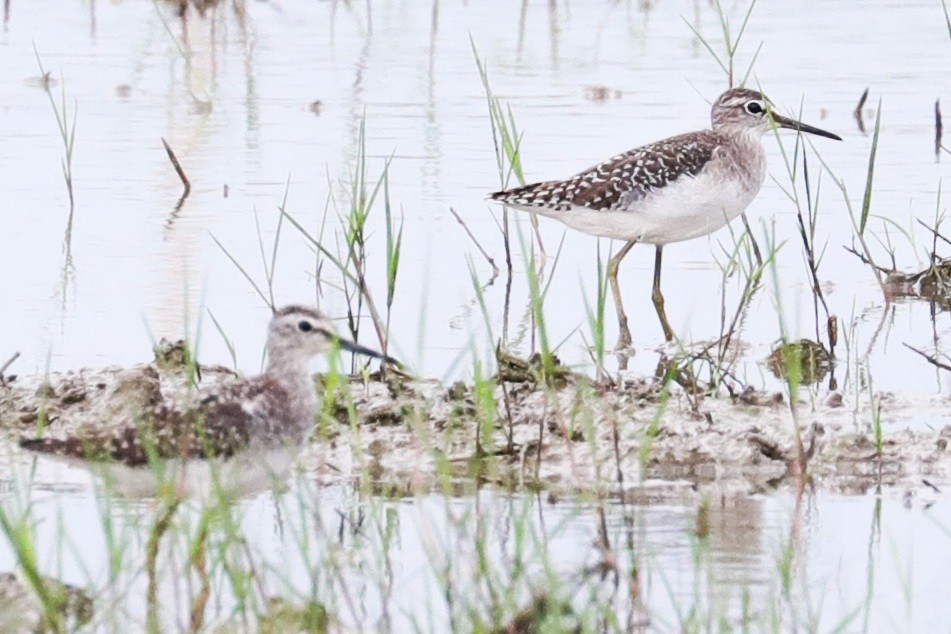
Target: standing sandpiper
676 189
236 436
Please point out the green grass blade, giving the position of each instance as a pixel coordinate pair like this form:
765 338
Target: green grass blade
867 198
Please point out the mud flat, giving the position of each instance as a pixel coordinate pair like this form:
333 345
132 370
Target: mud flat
21 609
400 435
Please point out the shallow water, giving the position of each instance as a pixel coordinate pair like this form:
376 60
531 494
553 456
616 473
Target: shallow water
874 561
238 116
93 287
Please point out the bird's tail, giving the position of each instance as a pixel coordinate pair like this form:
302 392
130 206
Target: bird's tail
547 198
512 195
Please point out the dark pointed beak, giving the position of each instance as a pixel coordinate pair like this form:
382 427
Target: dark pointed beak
792 124
358 349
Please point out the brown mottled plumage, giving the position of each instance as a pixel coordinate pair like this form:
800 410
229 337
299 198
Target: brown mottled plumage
218 425
680 188
622 179
270 412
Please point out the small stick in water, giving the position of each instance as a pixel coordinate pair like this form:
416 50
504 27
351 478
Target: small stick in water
938 130
495 269
858 111
178 168
7 364
932 359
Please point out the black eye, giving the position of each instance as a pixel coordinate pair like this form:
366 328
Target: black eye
305 326
754 107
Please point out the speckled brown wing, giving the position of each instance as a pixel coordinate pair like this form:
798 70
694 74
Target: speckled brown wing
219 425
618 183
122 444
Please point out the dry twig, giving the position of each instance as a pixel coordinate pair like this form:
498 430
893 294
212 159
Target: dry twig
7 364
929 358
938 129
858 111
495 269
179 170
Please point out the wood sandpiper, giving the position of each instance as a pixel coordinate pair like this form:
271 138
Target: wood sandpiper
235 436
680 188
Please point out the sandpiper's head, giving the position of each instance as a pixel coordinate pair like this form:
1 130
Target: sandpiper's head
300 332
744 110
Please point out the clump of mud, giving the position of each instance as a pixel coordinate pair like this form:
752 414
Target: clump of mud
21 610
932 284
283 616
182 7
566 434
802 361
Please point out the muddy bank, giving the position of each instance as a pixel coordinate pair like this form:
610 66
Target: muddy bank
48 606
400 435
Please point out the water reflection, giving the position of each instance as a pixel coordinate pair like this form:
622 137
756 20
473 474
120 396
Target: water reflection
657 560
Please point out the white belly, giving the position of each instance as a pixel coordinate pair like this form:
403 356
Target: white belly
688 208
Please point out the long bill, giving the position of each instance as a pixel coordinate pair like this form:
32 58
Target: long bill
356 348
792 124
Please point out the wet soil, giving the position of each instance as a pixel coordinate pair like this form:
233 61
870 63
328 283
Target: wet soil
400 435
932 284
22 610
